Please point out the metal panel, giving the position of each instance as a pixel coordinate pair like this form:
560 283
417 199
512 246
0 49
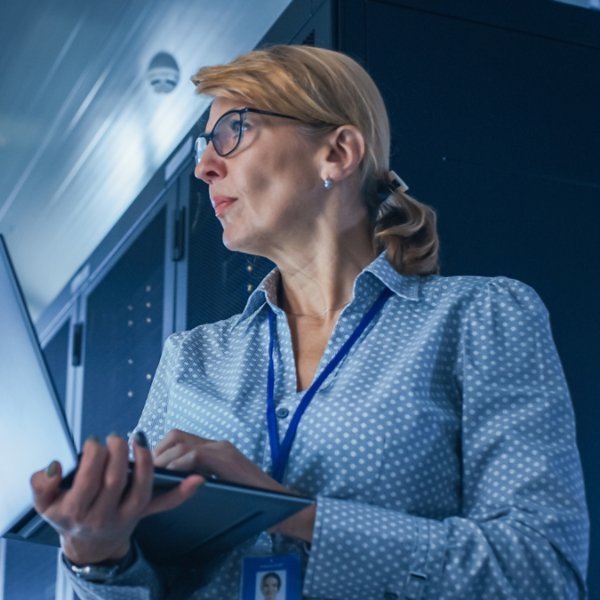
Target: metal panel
123 334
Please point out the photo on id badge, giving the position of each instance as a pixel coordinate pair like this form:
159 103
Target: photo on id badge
271 578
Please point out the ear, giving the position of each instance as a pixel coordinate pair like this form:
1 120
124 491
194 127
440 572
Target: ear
343 152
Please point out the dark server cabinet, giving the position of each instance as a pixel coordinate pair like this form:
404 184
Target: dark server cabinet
495 122
123 334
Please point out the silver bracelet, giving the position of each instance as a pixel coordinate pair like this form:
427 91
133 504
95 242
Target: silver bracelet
102 572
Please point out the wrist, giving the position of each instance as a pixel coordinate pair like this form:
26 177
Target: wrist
91 552
300 526
103 571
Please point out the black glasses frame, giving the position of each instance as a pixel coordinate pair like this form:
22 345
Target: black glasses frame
208 137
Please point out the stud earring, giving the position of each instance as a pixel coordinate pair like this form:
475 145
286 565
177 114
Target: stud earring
328 183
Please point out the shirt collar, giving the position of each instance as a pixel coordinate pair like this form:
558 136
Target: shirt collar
265 293
405 286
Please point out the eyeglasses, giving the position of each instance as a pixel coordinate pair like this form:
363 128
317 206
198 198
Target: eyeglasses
227 133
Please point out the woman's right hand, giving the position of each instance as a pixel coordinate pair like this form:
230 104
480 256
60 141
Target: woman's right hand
96 516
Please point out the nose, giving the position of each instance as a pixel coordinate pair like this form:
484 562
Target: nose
211 166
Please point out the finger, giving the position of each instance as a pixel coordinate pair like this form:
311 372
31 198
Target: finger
88 480
173 498
140 491
170 454
174 437
177 437
114 477
190 461
223 459
45 485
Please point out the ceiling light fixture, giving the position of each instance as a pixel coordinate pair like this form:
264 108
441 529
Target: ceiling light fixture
163 73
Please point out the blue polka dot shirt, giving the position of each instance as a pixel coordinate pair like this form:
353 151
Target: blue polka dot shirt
441 450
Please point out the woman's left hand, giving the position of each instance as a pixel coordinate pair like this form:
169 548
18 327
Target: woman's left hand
183 451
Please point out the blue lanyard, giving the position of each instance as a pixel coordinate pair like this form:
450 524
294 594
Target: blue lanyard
281 452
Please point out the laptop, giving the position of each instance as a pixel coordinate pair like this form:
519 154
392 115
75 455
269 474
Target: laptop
34 431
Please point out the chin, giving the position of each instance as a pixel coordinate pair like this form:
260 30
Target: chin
230 242
234 245
241 245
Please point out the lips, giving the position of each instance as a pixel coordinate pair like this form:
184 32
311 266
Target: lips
221 204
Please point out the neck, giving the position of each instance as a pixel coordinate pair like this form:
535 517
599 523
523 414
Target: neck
328 313
319 284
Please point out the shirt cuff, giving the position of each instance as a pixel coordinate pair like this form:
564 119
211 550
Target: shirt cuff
362 551
138 582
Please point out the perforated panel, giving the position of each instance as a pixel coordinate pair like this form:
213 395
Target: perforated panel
123 335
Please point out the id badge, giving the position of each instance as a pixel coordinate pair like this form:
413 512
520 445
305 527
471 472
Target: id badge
274 577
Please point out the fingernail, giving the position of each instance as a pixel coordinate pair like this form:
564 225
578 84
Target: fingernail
114 434
93 439
140 439
52 469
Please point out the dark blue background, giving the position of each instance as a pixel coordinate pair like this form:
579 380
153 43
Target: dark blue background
495 112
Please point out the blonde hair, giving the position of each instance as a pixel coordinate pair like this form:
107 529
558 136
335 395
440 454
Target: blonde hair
325 89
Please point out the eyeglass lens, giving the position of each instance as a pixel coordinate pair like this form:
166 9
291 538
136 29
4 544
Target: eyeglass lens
225 136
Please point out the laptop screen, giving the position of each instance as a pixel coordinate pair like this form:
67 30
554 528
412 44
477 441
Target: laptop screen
33 431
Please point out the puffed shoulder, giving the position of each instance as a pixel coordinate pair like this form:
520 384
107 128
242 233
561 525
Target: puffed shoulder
519 292
510 295
476 293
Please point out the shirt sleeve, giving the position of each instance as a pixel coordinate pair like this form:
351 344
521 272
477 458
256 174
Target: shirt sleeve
139 582
523 529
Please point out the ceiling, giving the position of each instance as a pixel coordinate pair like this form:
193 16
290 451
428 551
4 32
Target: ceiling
81 128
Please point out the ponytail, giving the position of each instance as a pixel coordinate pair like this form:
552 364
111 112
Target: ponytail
405 228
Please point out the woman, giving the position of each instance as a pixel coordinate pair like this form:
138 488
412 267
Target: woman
270 584
428 416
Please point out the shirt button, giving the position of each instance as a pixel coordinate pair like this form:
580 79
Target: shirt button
282 412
